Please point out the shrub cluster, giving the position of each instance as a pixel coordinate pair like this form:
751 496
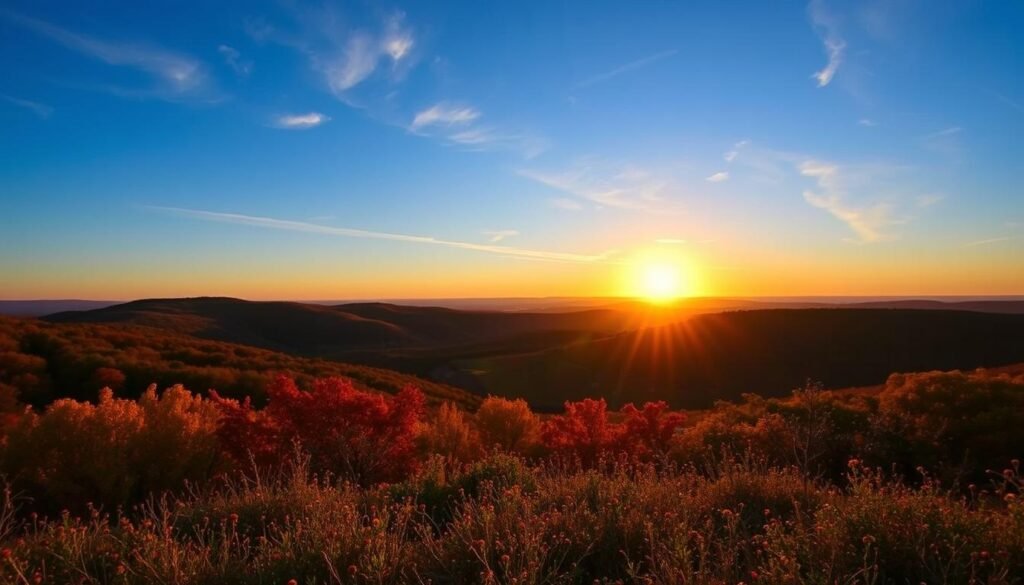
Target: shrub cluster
373 487
117 451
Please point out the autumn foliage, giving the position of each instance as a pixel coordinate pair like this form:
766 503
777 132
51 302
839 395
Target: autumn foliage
586 432
355 486
365 436
114 452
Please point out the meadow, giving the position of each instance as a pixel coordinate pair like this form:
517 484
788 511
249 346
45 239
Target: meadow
331 483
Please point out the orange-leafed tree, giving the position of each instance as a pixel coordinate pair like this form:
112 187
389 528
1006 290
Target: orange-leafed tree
364 436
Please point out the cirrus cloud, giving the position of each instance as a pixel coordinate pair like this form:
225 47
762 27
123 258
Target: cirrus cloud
300 121
444 114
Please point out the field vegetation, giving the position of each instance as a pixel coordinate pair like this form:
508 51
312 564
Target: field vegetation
329 482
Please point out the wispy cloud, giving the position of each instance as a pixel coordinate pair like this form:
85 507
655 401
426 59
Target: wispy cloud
626 68
769 165
871 198
42 110
364 69
444 114
718 177
353 64
488 138
175 76
346 58
867 122
868 222
499 235
312 228
361 55
989 241
825 25
300 121
234 60
670 241
731 154
623 188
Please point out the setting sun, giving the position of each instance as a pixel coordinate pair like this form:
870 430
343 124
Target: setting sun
659 277
661 283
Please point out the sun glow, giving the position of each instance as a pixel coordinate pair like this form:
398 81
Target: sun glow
659 278
661 283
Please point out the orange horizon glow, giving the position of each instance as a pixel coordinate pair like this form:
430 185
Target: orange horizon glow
711 271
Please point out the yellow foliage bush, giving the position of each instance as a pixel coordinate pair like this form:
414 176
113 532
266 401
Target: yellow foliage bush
508 424
451 435
114 451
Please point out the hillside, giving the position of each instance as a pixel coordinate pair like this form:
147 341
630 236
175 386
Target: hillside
688 354
721 356
45 360
331 331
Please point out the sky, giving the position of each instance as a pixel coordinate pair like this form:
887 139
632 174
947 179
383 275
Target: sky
283 150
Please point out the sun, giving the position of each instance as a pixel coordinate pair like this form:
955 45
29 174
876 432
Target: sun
661 283
658 276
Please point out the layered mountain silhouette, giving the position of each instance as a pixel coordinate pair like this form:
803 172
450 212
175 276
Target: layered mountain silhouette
690 355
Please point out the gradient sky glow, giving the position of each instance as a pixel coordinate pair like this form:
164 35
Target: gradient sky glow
467 149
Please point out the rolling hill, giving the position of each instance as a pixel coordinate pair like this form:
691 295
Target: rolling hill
333 331
721 356
689 355
44 361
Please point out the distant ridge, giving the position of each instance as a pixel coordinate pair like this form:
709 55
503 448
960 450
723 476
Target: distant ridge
327 331
42 307
690 354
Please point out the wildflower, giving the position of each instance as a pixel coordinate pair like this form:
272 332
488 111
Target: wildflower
292 582
352 569
868 539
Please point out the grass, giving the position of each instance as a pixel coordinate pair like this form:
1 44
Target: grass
502 520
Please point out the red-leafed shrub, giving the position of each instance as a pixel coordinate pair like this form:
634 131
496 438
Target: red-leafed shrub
583 431
649 431
364 436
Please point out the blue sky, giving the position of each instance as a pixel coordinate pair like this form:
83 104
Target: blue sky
358 150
